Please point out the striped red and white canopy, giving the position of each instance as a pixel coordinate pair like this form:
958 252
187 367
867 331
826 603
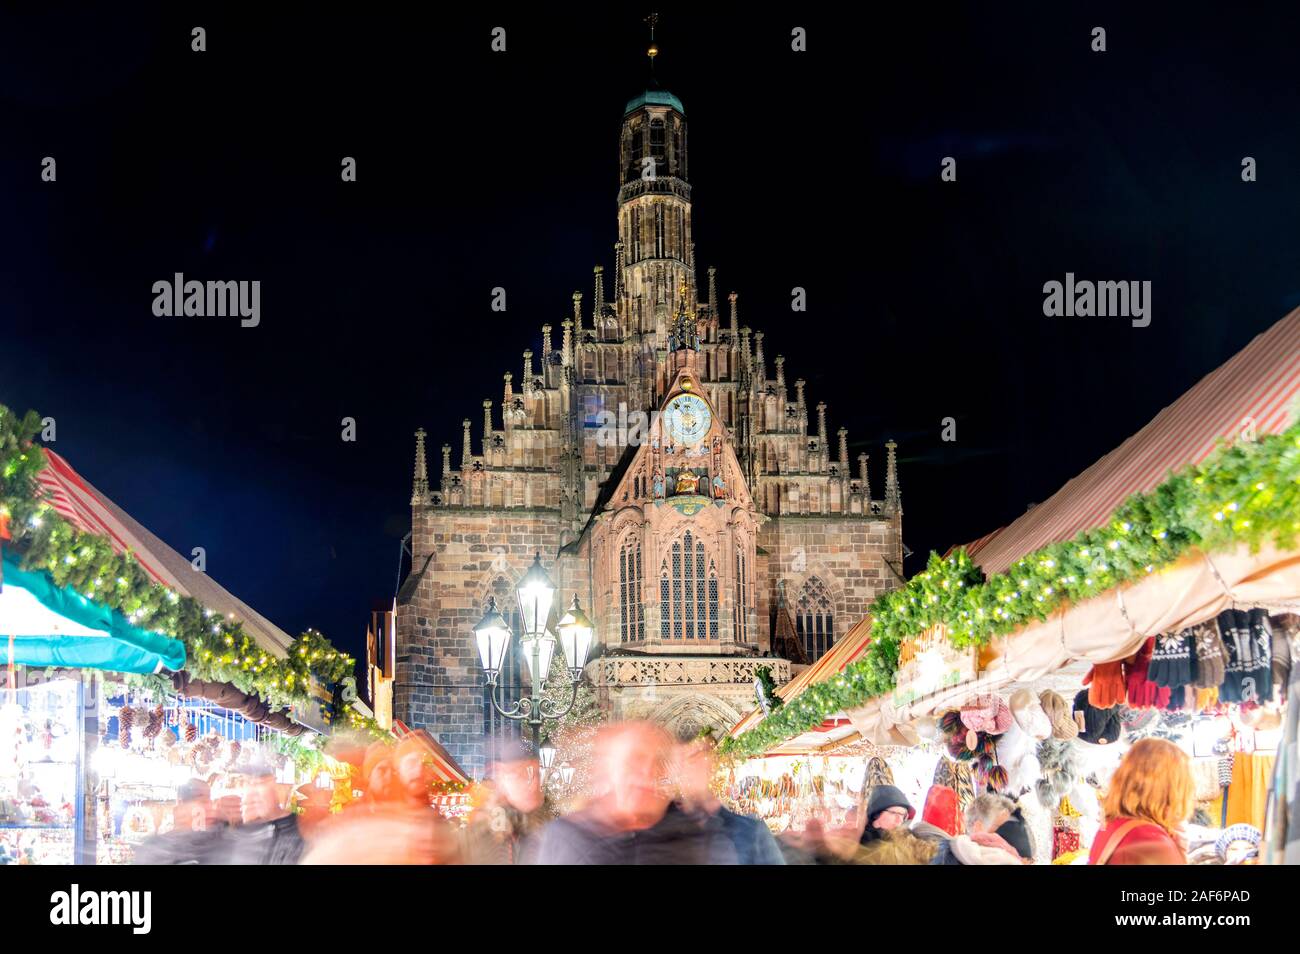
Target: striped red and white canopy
76 500
1255 391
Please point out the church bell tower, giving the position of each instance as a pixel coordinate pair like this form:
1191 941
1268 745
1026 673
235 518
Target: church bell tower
654 212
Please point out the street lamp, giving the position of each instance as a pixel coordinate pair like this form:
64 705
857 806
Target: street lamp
546 756
536 594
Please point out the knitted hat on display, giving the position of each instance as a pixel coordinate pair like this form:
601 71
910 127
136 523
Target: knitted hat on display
1137 723
985 713
1210 654
1101 725
1106 686
1028 714
1058 713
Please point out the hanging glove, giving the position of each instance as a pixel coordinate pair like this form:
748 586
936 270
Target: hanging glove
1211 657
1105 682
1142 692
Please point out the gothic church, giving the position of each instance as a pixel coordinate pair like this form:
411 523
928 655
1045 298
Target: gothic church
726 535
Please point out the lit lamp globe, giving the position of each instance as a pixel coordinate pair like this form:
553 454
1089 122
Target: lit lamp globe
566 774
493 636
536 592
538 651
576 633
546 756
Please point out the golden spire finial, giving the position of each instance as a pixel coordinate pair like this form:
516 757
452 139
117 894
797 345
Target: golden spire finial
654 49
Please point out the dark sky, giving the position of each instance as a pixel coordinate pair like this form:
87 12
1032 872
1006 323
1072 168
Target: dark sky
816 169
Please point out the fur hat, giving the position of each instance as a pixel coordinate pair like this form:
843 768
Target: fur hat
1058 769
1028 714
1058 713
1100 726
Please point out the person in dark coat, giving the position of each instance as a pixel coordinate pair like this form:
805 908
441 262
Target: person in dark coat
632 819
268 833
195 837
733 839
503 831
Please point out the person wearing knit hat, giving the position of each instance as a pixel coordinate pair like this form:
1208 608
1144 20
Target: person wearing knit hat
887 808
1210 655
1173 659
1100 726
1058 713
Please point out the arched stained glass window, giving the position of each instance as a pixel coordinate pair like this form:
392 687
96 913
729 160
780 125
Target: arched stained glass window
814 618
689 592
631 612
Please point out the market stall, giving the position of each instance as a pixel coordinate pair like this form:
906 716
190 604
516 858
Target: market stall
127 672
1190 523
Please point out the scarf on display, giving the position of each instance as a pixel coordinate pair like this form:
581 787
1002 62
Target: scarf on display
1248 639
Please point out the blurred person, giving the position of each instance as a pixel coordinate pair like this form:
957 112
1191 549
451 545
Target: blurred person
733 839
1148 801
194 838
895 846
378 778
268 833
983 815
630 819
504 829
996 834
314 804
887 809
394 822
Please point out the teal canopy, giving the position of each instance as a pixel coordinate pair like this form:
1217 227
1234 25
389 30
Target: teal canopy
55 625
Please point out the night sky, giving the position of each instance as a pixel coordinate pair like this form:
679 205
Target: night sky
478 169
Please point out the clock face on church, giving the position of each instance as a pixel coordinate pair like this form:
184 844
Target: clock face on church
687 419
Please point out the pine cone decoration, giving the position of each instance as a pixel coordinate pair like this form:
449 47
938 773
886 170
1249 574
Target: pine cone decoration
234 751
154 725
191 730
125 721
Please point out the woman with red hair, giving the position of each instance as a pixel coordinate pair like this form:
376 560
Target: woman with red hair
1151 796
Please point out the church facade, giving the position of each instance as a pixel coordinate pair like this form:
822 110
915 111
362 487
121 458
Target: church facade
667 475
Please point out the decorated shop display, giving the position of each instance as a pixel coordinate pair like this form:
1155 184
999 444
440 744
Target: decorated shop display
39 770
1241 494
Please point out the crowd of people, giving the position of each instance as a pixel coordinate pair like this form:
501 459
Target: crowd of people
652 802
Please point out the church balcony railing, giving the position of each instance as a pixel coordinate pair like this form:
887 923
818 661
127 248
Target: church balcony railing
665 185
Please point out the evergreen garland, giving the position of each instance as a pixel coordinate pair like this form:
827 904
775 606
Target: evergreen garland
1247 492
217 649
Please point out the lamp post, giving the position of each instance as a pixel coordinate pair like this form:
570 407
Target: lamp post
536 593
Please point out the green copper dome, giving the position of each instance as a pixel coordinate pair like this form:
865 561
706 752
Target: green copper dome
654 97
